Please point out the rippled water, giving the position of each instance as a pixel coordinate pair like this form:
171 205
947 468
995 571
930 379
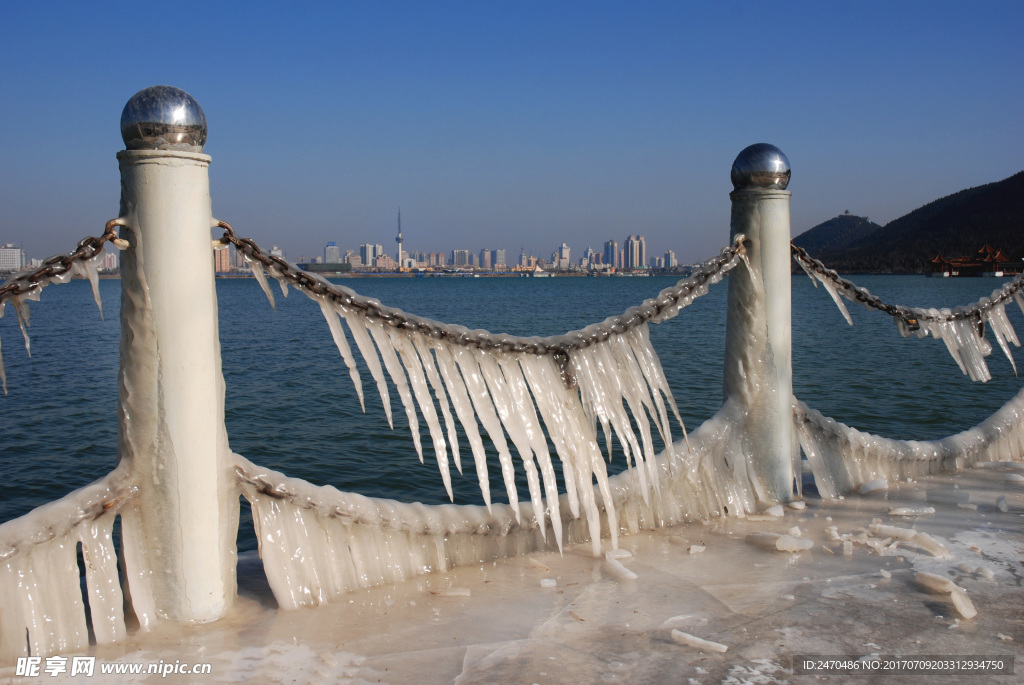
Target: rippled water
291 406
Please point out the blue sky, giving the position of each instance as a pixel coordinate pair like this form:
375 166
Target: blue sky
518 124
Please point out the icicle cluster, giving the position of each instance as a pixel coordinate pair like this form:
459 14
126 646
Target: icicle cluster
843 458
605 375
962 329
318 543
26 285
40 592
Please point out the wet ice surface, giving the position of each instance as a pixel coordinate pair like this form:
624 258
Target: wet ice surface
497 622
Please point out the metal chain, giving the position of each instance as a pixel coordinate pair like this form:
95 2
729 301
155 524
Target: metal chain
558 347
912 317
58 265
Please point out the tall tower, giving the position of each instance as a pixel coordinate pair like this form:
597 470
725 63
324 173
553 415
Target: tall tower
399 239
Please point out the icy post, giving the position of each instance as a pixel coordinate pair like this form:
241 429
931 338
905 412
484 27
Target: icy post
758 377
179 533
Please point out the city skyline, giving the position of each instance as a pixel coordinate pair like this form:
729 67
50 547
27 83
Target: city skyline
481 122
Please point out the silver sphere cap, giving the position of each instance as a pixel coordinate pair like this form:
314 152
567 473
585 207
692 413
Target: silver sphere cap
760 166
163 118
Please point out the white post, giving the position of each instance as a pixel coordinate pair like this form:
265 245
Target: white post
758 350
179 532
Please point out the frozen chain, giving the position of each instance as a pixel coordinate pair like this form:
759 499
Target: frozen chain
911 318
58 265
558 347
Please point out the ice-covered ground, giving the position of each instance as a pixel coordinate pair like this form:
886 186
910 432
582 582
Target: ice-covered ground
576 619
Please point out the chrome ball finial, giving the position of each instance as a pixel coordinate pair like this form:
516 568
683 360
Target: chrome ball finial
761 166
163 118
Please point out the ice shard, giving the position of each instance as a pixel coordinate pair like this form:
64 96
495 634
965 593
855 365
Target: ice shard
331 314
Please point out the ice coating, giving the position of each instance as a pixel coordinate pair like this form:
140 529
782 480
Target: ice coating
318 543
179 552
31 282
40 594
962 329
757 378
606 373
843 458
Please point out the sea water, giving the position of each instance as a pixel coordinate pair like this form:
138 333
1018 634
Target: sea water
291 406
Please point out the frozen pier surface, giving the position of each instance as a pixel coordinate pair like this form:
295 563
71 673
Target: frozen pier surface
497 622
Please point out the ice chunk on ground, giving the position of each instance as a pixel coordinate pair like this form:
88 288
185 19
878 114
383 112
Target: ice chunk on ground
699 643
911 511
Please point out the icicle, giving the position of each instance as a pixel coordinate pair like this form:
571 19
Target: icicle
538 372
644 380
334 323
591 465
974 347
808 272
835 298
629 388
639 339
477 388
464 408
515 425
411 361
394 367
943 331
21 312
257 272
89 268
570 416
521 396
420 343
357 325
1003 332
603 386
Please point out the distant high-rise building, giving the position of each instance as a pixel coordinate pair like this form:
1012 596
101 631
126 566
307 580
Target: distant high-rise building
12 258
221 260
112 259
611 254
635 250
485 259
670 260
460 257
277 252
561 257
332 253
498 259
368 253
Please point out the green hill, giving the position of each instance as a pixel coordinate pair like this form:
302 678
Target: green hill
952 226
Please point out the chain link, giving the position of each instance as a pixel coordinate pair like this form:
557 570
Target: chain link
58 265
559 347
911 317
